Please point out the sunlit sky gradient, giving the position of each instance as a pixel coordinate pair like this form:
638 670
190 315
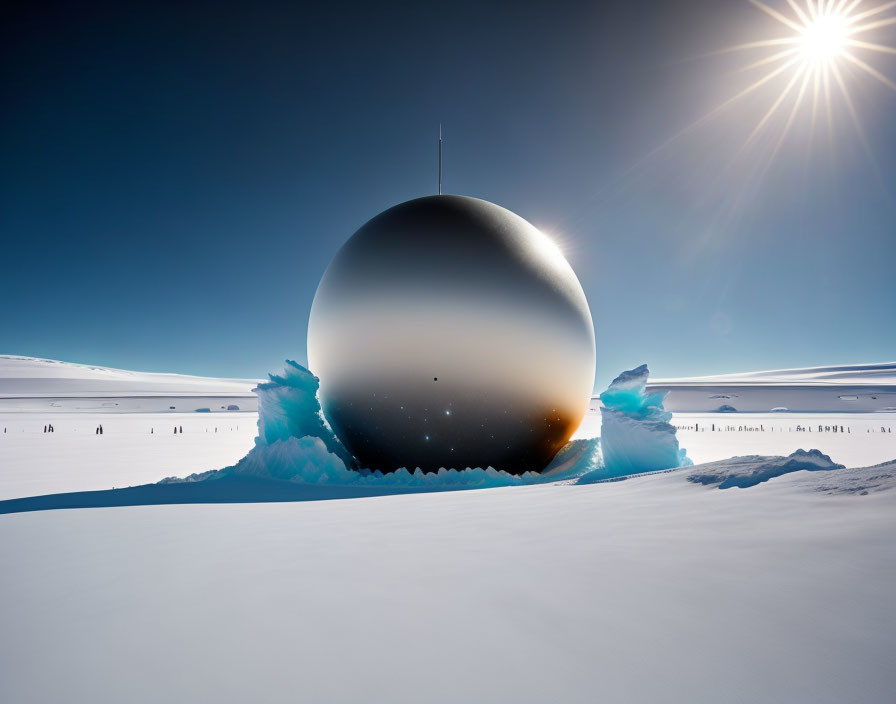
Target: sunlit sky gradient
174 181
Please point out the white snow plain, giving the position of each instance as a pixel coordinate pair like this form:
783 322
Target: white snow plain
135 448
652 589
657 588
74 458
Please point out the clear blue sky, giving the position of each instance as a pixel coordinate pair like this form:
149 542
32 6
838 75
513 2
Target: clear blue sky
175 179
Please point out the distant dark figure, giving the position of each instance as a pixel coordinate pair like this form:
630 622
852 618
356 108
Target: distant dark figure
216 430
101 428
150 431
175 430
96 431
181 430
45 428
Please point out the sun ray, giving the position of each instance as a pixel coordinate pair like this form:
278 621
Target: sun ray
777 15
872 25
799 12
869 69
871 47
828 104
761 82
816 90
714 112
852 19
858 125
774 108
839 8
849 105
757 45
746 91
770 59
793 114
852 6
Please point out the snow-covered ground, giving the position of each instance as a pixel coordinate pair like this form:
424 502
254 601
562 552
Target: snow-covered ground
135 448
658 588
652 589
138 448
28 384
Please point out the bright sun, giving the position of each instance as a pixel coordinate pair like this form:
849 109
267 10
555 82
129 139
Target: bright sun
823 37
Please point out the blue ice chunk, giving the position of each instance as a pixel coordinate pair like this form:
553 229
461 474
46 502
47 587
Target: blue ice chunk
636 435
288 408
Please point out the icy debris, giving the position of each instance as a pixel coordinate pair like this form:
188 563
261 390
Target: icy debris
306 460
751 470
295 444
636 435
288 408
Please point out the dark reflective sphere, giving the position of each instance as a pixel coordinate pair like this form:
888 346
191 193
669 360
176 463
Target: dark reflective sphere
450 332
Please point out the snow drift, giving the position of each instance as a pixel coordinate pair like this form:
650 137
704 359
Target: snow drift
748 471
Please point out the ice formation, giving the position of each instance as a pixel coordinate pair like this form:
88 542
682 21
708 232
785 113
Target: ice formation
636 435
288 408
295 444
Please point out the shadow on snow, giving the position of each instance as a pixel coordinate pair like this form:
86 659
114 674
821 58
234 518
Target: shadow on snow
222 491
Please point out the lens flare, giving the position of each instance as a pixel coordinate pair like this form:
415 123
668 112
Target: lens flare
824 36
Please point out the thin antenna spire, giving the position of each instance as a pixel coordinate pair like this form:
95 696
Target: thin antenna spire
440 158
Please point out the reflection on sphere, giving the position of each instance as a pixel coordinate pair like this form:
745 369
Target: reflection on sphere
449 332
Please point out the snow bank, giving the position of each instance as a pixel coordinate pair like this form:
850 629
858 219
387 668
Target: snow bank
32 385
296 444
848 374
857 388
636 435
32 376
748 471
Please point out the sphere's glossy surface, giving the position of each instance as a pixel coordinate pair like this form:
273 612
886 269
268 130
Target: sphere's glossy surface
449 332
